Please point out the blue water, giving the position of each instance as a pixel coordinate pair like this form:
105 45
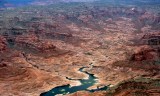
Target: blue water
67 89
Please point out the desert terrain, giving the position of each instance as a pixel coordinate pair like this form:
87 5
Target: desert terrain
42 45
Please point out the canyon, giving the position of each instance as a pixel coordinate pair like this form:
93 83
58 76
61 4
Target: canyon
42 45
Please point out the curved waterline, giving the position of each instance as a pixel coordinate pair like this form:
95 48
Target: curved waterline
85 84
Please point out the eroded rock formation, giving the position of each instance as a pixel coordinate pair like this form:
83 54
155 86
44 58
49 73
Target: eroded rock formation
39 49
3 44
145 53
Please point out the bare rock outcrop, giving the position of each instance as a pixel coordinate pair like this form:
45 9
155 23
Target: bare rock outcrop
3 44
145 53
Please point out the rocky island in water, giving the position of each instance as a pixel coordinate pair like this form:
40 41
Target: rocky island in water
79 47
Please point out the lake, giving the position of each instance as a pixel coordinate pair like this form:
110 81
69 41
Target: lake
85 84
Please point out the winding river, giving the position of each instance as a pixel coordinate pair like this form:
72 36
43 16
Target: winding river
67 89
